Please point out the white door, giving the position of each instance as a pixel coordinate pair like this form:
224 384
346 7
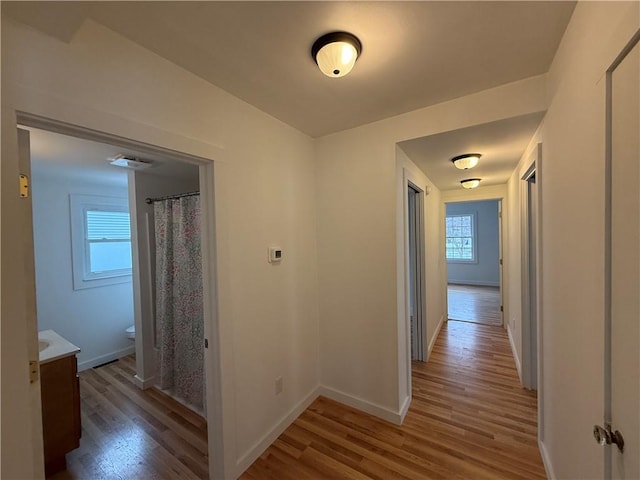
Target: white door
622 389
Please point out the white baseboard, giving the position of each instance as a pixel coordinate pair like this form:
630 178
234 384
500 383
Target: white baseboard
258 449
432 342
515 353
404 409
363 405
546 461
144 383
475 283
109 357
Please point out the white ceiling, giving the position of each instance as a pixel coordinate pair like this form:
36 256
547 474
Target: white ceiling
87 161
501 144
415 54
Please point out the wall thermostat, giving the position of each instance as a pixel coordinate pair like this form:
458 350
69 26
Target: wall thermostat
275 254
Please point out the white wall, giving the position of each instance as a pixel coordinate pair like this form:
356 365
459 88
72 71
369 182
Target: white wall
357 239
143 185
94 319
264 194
486 271
573 144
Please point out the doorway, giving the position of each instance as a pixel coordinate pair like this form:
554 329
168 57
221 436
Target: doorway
118 397
530 222
474 264
416 274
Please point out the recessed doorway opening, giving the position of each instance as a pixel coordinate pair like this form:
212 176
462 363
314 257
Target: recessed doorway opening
474 261
136 408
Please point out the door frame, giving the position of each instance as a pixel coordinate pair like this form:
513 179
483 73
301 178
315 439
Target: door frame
474 197
532 361
216 428
608 414
420 297
405 178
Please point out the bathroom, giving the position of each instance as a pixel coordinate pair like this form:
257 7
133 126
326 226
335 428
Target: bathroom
99 314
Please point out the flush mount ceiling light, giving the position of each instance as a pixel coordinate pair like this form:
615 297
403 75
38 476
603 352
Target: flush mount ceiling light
466 161
127 161
471 182
336 53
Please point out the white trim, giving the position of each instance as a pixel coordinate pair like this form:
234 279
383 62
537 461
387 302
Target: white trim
405 409
529 370
474 236
421 293
539 295
546 461
363 405
433 340
258 448
106 358
221 427
515 352
79 204
144 383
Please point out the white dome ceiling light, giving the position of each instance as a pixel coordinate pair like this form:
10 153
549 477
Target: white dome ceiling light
471 182
466 161
336 53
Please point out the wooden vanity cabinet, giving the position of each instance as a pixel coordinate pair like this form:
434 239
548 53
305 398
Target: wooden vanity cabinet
60 394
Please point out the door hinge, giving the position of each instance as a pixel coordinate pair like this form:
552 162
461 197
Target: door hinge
206 343
33 371
501 308
500 261
24 186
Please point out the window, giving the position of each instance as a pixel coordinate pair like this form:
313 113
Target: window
461 238
101 241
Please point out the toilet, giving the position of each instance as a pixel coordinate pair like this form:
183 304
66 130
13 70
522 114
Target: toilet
130 333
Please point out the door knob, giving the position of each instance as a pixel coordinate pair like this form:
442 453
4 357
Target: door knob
604 436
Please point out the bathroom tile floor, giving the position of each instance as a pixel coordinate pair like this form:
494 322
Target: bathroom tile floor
128 433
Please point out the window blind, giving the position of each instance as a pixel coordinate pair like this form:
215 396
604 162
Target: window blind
102 225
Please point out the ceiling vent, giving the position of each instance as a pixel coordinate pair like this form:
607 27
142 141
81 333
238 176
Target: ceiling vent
127 161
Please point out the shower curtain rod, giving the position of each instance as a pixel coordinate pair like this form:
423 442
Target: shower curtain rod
170 197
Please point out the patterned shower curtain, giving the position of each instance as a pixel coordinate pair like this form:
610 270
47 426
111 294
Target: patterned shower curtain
179 316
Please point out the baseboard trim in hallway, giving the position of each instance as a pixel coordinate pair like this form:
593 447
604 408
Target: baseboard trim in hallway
514 352
469 418
548 467
254 452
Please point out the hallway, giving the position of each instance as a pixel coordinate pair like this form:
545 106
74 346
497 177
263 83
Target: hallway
469 418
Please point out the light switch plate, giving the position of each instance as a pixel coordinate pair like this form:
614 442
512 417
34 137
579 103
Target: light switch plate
275 254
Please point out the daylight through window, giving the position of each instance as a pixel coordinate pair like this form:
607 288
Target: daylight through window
108 243
460 245
100 240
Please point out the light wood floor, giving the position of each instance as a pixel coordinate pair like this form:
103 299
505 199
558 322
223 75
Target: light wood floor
469 419
476 304
128 433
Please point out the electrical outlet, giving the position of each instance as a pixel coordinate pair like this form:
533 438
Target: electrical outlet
278 385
